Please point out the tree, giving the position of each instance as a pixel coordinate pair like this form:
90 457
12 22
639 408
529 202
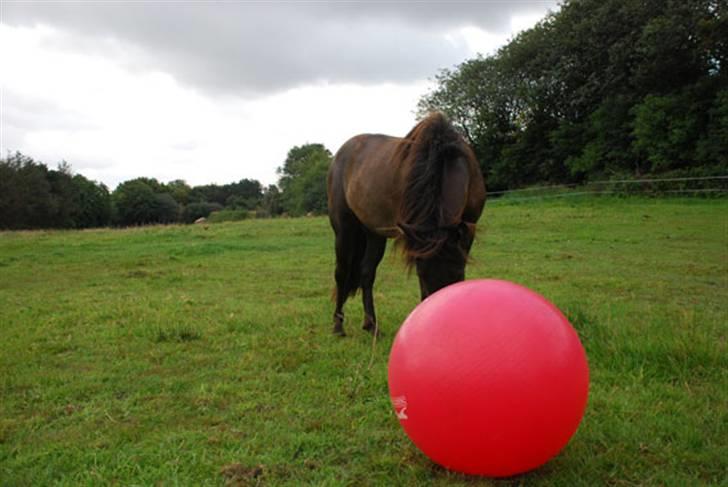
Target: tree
32 196
25 193
712 148
271 202
64 197
136 203
245 194
209 193
665 132
166 209
303 179
179 190
601 87
93 203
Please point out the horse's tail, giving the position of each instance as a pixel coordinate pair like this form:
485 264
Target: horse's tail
426 150
350 249
353 270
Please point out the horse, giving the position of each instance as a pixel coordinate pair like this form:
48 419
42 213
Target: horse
425 190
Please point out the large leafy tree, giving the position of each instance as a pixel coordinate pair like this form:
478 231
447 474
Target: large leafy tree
599 88
303 179
245 194
25 193
136 203
179 190
93 203
33 196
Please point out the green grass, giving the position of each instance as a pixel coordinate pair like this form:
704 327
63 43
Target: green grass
193 355
230 216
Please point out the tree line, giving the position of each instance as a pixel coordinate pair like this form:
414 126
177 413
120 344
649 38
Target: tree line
600 89
34 196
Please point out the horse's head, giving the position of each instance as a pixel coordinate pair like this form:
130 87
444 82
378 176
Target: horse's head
442 259
437 205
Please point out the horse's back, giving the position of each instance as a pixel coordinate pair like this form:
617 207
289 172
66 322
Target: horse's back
366 180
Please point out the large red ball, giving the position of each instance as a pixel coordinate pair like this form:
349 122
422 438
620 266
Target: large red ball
488 377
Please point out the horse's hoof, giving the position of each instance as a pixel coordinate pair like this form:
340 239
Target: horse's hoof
338 331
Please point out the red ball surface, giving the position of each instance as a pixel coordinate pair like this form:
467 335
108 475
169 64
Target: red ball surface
488 377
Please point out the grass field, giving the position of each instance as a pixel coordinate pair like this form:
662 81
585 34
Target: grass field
191 355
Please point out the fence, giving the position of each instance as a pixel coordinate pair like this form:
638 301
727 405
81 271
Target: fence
717 186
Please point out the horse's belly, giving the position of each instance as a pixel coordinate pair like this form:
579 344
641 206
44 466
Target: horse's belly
377 212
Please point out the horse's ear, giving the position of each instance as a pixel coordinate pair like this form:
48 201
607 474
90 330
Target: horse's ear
453 192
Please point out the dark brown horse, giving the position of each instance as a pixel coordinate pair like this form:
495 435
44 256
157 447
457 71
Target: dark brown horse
425 189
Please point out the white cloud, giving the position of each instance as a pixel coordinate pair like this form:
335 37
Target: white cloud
114 114
524 21
480 41
122 124
262 47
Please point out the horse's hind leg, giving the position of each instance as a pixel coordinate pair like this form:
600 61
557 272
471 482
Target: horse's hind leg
342 264
340 274
350 244
373 254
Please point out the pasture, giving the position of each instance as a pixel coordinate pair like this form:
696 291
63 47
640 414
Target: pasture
193 355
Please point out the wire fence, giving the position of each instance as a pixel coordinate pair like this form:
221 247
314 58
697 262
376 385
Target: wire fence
717 187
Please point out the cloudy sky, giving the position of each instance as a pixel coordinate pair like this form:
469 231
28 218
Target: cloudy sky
217 92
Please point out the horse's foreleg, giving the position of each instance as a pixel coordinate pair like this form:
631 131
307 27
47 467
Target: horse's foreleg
372 256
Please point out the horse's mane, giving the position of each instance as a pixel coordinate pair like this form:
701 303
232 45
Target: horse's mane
426 149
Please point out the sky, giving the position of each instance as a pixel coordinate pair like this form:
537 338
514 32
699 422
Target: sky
216 92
